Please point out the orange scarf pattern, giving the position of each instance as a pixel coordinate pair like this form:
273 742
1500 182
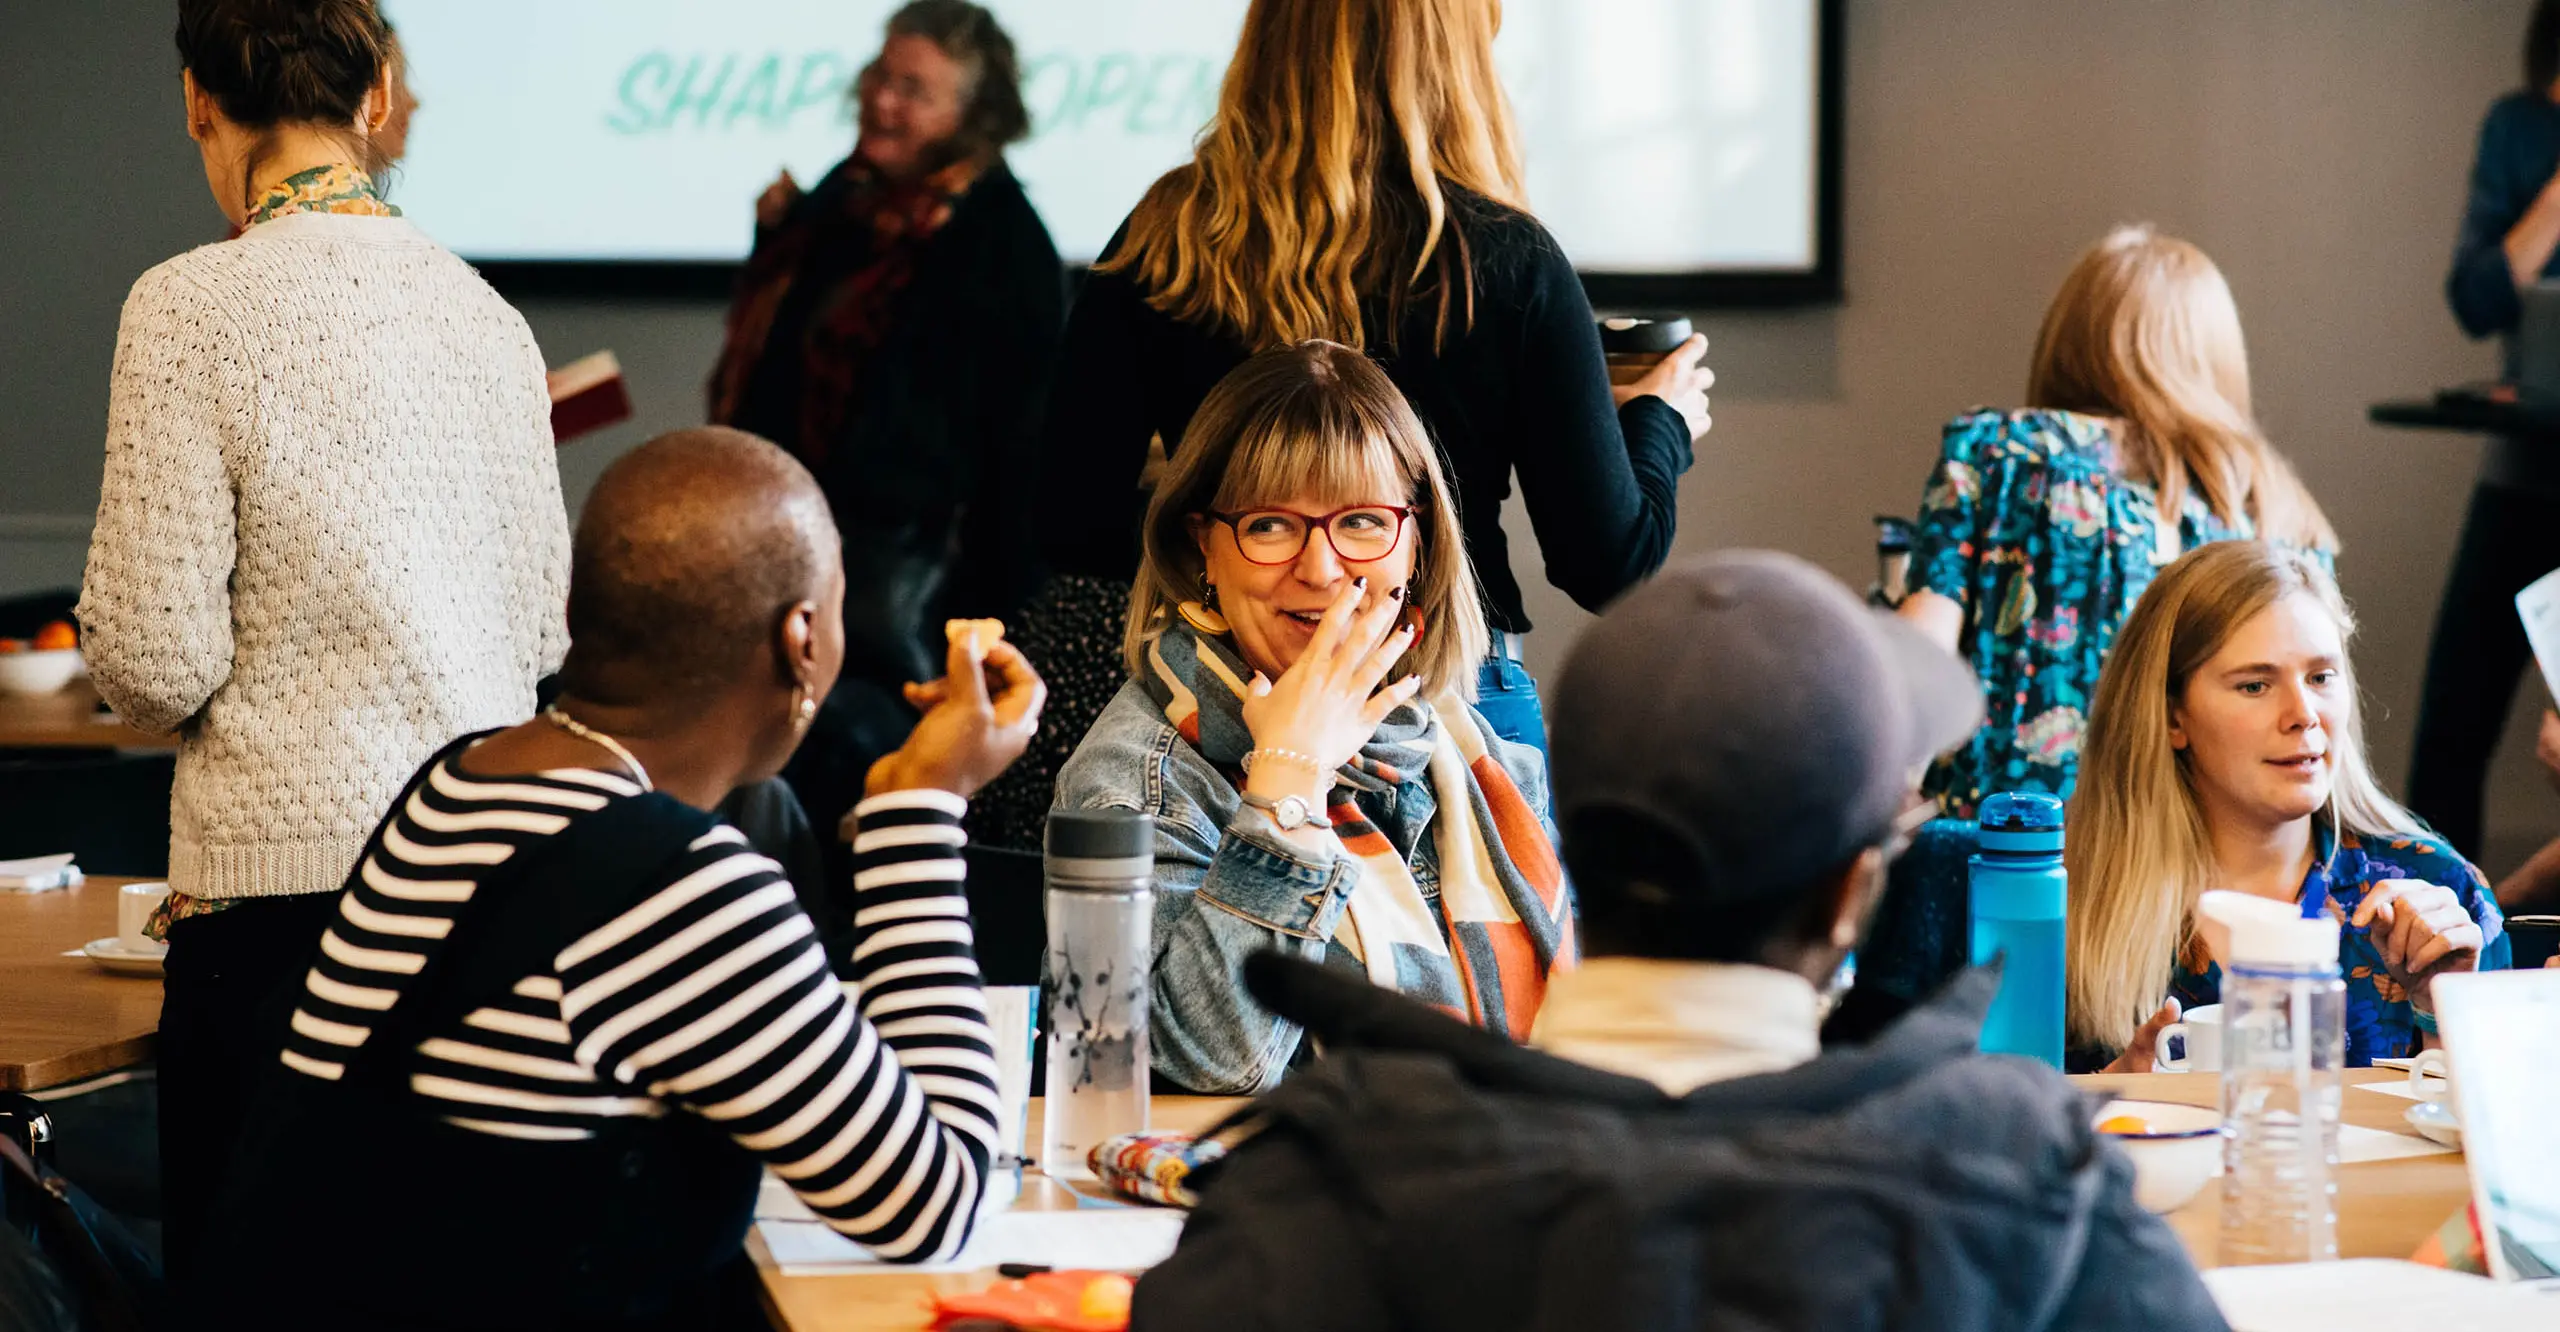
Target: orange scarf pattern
1427 790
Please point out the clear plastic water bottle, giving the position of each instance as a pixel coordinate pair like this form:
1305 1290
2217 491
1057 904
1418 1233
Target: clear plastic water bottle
2284 1049
2018 893
1100 867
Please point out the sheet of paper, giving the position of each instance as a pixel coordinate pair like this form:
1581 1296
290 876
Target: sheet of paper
1129 1239
2364 1144
2374 1295
2435 1089
2539 606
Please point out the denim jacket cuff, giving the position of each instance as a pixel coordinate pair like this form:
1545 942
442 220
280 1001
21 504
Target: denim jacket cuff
1276 884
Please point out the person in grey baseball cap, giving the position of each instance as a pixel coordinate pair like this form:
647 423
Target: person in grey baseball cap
1737 750
1738 745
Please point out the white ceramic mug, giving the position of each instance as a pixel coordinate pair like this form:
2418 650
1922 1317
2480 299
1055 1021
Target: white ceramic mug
2431 1062
134 905
2200 1028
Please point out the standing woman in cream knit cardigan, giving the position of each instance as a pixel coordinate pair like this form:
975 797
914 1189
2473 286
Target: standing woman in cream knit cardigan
330 538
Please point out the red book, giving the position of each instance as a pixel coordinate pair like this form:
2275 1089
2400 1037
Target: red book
587 395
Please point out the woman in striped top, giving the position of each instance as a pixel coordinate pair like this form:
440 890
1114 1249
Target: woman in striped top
563 1014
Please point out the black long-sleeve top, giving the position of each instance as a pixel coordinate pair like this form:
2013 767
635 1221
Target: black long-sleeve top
1524 387
2519 151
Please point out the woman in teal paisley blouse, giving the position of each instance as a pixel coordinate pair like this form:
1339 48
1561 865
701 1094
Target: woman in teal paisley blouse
2040 527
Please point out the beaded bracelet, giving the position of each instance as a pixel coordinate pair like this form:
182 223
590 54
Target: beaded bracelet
1289 756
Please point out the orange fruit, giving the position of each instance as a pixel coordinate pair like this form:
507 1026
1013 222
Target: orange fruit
56 636
1106 1297
9 645
2124 1124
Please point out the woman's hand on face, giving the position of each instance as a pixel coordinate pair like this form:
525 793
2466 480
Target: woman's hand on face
2421 930
977 720
1682 379
2143 1051
776 200
1328 703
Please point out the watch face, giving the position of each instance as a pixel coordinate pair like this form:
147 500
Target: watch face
1292 812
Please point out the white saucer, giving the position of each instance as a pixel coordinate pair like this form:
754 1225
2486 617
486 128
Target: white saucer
2435 1123
116 958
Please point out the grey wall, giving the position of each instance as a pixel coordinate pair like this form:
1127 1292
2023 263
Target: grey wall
2315 147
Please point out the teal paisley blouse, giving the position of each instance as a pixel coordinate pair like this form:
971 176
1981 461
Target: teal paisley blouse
2030 526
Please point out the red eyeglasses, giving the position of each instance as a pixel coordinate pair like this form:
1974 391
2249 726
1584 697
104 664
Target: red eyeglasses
1360 534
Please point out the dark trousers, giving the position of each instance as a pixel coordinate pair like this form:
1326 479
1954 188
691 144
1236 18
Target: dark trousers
230 976
2509 538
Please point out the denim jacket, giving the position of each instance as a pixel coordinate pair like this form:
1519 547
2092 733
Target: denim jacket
1228 885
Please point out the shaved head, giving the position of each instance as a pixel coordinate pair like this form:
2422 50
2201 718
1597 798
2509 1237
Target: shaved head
691 549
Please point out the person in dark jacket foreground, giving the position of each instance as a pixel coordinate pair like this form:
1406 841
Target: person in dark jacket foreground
1738 747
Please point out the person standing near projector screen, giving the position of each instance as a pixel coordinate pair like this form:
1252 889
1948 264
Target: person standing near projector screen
894 329
1360 182
2510 240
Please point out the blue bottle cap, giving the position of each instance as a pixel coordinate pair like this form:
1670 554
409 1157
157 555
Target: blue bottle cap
2020 823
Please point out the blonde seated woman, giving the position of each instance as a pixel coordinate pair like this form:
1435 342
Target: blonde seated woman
2225 751
1301 645
2040 527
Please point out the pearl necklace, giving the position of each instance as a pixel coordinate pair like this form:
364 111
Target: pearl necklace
580 729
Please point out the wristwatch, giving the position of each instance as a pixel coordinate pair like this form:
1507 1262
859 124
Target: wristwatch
1291 812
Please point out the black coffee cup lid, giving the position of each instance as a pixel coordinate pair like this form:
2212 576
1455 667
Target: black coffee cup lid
1635 335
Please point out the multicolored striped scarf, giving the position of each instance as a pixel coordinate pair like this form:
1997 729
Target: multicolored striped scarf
1482 949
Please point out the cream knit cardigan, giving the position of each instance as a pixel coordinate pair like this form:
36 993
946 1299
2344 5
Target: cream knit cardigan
330 538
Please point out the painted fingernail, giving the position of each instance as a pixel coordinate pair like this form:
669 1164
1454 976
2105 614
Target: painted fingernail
1360 584
1396 595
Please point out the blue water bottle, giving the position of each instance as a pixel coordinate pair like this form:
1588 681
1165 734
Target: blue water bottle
2018 892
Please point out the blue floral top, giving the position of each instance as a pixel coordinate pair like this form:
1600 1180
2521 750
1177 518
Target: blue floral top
2030 526
2379 1025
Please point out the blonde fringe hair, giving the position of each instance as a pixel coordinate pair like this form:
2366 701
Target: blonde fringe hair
2138 855
1316 420
1323 177
2144 330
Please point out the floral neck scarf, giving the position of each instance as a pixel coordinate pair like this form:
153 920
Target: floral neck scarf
336 188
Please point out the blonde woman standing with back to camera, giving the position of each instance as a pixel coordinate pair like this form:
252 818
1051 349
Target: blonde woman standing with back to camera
330 537
1361 183
2040 527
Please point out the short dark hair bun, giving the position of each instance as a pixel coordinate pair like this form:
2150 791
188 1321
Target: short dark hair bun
273 62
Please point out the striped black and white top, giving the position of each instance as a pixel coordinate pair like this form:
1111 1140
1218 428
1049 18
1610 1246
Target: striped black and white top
711 997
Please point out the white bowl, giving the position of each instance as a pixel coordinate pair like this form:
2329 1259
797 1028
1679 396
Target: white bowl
2172 1163
38 672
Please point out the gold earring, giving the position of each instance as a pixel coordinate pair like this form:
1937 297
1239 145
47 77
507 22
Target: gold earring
805 709
1203 615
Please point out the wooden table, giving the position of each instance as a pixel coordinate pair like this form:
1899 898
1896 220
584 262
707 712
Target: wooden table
61 1018
2385 1208
896 1300
68 719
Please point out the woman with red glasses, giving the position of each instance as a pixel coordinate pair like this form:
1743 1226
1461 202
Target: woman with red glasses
1304 623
